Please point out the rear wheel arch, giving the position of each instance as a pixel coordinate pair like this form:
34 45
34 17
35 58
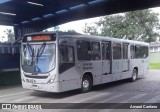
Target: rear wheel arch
136 69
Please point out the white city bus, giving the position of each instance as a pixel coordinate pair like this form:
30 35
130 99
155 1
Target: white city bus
58 61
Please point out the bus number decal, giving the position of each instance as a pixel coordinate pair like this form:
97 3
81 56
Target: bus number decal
87 66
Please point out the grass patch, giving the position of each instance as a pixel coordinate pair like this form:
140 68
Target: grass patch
154 65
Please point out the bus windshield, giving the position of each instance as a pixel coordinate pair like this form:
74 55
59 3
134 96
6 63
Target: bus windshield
38 58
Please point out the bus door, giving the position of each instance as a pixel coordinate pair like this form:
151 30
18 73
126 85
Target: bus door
125 57
106 58
117 62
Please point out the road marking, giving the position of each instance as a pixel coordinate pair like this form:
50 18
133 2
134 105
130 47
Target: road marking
89 98
69 99
15 94
126 101
111 98
23 99
133 98
154 100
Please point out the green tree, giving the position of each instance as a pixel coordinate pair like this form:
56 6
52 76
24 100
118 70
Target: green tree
56 28
140 25
10 35
71 31
90 29
2 39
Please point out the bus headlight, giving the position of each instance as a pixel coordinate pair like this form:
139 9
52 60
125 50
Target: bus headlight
51 80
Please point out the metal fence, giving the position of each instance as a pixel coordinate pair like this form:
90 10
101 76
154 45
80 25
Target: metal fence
9 56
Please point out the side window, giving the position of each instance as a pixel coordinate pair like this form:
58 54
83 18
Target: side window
66 58
83 50
108 54
117 51
66 54
132 51
103 51
138 51
145 51
125 51
96 54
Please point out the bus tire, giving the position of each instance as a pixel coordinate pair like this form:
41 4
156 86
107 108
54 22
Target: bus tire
86 85
134 75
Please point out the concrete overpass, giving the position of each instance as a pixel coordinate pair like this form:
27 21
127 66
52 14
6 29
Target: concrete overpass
35 15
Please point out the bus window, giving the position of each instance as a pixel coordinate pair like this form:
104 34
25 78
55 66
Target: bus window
103 51
108 54
132 51
66 54
96 51
35 61
125 51
83 47
66 58
145 51
117 51
138 51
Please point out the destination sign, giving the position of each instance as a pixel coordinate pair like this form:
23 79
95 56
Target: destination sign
42 38
39 38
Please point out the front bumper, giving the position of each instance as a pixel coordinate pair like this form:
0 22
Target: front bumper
54 87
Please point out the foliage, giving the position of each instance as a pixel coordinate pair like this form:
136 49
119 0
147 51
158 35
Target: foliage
2 39
135 25
154 66
71 31
56 28
90 29
10 35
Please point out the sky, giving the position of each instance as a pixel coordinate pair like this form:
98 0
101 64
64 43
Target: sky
75 25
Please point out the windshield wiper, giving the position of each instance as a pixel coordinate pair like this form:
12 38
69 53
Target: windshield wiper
31 52
40 50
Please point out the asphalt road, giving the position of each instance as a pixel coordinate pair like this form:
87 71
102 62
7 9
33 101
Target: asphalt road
145 90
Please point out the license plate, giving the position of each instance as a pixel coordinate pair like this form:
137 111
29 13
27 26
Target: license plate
35 86
31 81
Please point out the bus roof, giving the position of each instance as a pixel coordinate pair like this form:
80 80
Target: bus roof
89 37
103 38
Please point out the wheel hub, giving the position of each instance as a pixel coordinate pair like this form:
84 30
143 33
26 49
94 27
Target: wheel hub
134 75
85 84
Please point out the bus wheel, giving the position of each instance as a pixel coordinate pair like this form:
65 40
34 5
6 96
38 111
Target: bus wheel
134 75
86 85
